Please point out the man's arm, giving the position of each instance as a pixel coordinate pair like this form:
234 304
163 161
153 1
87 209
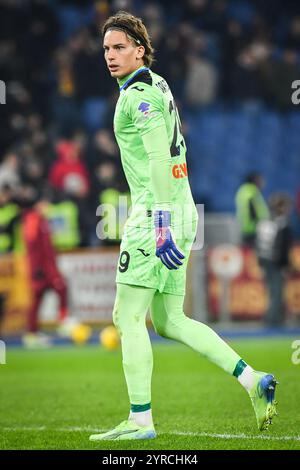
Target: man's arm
147 115
157 147
252 211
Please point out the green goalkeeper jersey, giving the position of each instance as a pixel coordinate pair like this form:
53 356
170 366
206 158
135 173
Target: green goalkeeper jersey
153 151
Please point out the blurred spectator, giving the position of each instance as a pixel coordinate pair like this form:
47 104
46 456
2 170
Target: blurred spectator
233 39
117 5
43 270
68 172
201 77
9 175
273 244
195 12
66 110
153 17
103 147
63 216
8 220
112 194
250 207
278 75
32 174
245 78
91 80
70 176
292 40
108 180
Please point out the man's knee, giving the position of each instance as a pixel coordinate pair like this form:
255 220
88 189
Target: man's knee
126 319
116 318
163 329
160 330
172 328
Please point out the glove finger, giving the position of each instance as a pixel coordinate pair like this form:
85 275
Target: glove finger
173 257
170 261
167 262
161 256
177 252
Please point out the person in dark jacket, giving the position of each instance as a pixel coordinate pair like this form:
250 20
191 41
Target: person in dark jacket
273 242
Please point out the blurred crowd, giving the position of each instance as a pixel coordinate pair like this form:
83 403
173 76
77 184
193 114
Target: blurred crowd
56 136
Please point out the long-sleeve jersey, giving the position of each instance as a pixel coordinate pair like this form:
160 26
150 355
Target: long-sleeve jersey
153 151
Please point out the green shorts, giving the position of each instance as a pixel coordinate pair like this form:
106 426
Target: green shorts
138 265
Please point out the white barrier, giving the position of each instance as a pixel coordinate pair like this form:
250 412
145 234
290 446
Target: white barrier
90 277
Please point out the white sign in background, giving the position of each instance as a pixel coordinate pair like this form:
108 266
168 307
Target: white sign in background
91 287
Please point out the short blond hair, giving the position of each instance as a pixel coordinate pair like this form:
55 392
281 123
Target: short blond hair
135 29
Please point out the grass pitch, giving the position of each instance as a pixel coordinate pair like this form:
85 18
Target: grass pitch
55 399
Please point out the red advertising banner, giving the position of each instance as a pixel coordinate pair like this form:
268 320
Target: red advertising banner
247 293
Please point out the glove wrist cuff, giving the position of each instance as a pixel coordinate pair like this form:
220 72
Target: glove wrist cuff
162 218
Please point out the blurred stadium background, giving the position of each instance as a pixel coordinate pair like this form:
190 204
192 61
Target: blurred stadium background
230 65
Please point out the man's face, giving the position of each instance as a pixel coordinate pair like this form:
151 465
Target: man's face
122 55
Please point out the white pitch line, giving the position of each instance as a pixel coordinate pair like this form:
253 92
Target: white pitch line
235 436
175 433
44 428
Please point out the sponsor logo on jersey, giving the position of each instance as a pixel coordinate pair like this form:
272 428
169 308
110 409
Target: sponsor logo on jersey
146 113
144 108
179 171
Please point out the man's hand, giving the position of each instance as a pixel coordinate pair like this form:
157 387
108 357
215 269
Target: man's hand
166 249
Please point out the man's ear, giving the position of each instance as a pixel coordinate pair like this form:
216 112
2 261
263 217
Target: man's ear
141 52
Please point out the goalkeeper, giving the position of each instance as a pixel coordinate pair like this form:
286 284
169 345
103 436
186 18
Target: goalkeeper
159 233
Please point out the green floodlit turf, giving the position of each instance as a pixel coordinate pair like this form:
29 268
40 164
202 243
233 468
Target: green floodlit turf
54 399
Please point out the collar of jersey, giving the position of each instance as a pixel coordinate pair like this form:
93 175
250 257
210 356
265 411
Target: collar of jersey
123 82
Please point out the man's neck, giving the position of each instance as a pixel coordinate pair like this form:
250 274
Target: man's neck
123 80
